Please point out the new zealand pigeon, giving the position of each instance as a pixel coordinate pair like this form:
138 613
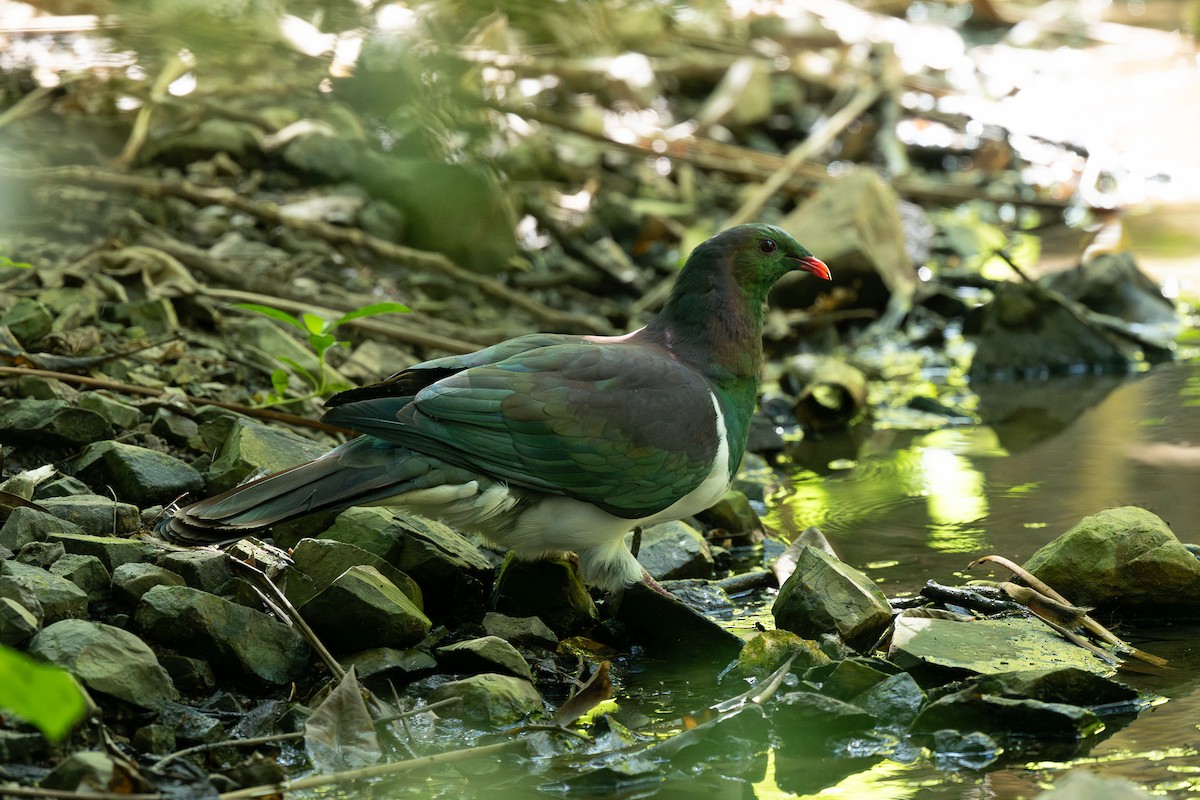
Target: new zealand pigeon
550 442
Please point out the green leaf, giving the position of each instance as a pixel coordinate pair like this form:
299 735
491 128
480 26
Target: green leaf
273 313
320 342
279 381
5 261
371 311
43 694
315 325
308 377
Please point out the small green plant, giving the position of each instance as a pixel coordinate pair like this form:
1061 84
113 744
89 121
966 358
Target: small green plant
321 339
5 261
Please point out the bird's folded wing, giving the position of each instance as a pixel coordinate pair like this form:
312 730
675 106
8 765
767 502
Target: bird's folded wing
626 428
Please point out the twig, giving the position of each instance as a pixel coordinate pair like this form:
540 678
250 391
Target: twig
200 748
175 68
147 391
412 712
336 778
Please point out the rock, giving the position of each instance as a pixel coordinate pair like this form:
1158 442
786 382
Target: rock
201 569
831 395
851 677
96 515
22 747
193 676
26 525
732 514
767 651
88 772
242 640
112 551
172 426
122 416
40 554
668 628
28 320
63 486
896 701
321 561
675 550
21 591
986 646
969 710
50 423
35 387
154 315
107 660
17 623
154 739
523 631
131 581
361 609
550 589
1122 557
486 654
60 599
241 141
251 446
494 700
86 572
815 717
701 595
136 474
825 595
390 664
1069 685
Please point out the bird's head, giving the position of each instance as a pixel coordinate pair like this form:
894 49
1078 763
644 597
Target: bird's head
759 255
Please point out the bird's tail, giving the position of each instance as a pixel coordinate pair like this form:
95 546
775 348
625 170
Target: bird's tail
361 471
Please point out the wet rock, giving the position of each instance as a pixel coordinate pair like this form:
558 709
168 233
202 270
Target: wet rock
701 595
318 562
969 710
523 631
896 700
28 320
732 514
550 589
250 446
851 677
95 514
1122 557
986 646
668 628
26 525
493 700
112 551
131 581
486 654
86 572
59 598
17 623
831 393
40 554
812 716
360 609
50 423
201 569
107 659
136 474
122 416
390 664
1060 685
955 750
240 640
675 550
87 772
825 595
767 651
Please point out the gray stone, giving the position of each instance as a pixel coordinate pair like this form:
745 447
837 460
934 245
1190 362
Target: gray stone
523 631
60 599
86 572
668 628
824 595
40 554
131 581
485 654
136 474
675 550
201 569
107 659
321 561
35 387
155 739
26 525
361 609
17 623
851 677
192 676
390 664
732 514
87 772
1069 685
96 515
20 590
768 651
239 639
64 486
28 320
1122 557
702 595
896 700
493 700
969 710
172 426
113 551
122 416
250 446
50 423
550 589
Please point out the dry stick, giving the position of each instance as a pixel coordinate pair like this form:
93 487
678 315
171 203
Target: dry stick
200 748
269 212
99 383
374 771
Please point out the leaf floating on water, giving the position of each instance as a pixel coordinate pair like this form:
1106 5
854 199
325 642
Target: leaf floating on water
341 734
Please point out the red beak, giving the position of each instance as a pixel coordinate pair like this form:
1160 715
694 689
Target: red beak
816 266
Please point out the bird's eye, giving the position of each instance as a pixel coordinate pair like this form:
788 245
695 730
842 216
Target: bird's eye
767 246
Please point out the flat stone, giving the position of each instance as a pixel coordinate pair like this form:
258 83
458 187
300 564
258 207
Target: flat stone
17 623
675 550
172 426
62 486
493 700
201 569
40 554
131 581
86 572
969 710
824 595
986 646
112 551
107 659
95 514
321 561
240 640
250 446
50 423
26 525
485 654
523 631
136 474
361 609
60 599
122 416
390 663
896 700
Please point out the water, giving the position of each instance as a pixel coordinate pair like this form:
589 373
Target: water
909 507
